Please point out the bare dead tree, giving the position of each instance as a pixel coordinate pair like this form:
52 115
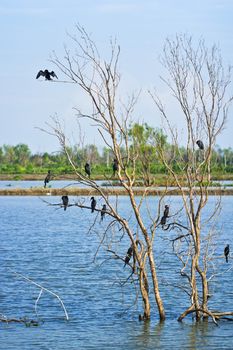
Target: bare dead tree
99 79
199 84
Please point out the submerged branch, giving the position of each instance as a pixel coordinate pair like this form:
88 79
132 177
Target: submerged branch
42 289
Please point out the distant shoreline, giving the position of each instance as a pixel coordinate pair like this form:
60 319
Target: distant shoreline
108 189
73 177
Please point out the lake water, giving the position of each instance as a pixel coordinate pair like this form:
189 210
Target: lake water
67 183
54 248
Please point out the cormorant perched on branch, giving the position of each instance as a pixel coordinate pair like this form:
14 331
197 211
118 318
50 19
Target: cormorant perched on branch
46 74
65 201
47 178
93 204
166 211
103 211
88 169
115 166
226 252
128 255
163 220
165 215
200 144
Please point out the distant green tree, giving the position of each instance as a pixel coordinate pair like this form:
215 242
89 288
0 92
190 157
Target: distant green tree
145 139
22 154
9 154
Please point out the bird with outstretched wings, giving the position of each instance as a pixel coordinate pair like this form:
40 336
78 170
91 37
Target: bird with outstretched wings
45 73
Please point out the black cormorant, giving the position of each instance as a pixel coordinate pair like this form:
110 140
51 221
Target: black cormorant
128 255
163 220
88 169
45 73
65 201
166 211
115 166
93 204
200 144
165 215
103 211
226 252
47 178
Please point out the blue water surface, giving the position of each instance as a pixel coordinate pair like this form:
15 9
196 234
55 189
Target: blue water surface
59 250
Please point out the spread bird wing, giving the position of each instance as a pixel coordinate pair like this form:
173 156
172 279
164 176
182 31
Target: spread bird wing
41 72
53 74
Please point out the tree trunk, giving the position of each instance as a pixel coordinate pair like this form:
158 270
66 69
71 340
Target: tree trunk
205 290
158 299
145 293
195 297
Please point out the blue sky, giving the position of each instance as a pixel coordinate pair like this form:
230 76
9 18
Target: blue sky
31 30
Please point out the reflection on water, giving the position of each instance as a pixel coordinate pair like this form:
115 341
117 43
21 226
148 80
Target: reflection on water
54 248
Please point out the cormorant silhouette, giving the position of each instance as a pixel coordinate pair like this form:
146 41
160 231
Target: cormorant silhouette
45 73
163 220
47 178
103 211
165 215
88 169
226 252
115 166
166 211
200 144
65 201
93 204
128 255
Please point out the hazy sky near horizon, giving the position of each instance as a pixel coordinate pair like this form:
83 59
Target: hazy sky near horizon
32 30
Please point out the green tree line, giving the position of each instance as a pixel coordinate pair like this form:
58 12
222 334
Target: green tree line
20 160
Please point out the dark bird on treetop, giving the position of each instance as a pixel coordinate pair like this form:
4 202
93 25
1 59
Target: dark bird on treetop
47 178
65 201
88 169
226 252
45 73
103 211
93 204
200 144
115 166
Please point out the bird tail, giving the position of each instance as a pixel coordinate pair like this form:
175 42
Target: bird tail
227 259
